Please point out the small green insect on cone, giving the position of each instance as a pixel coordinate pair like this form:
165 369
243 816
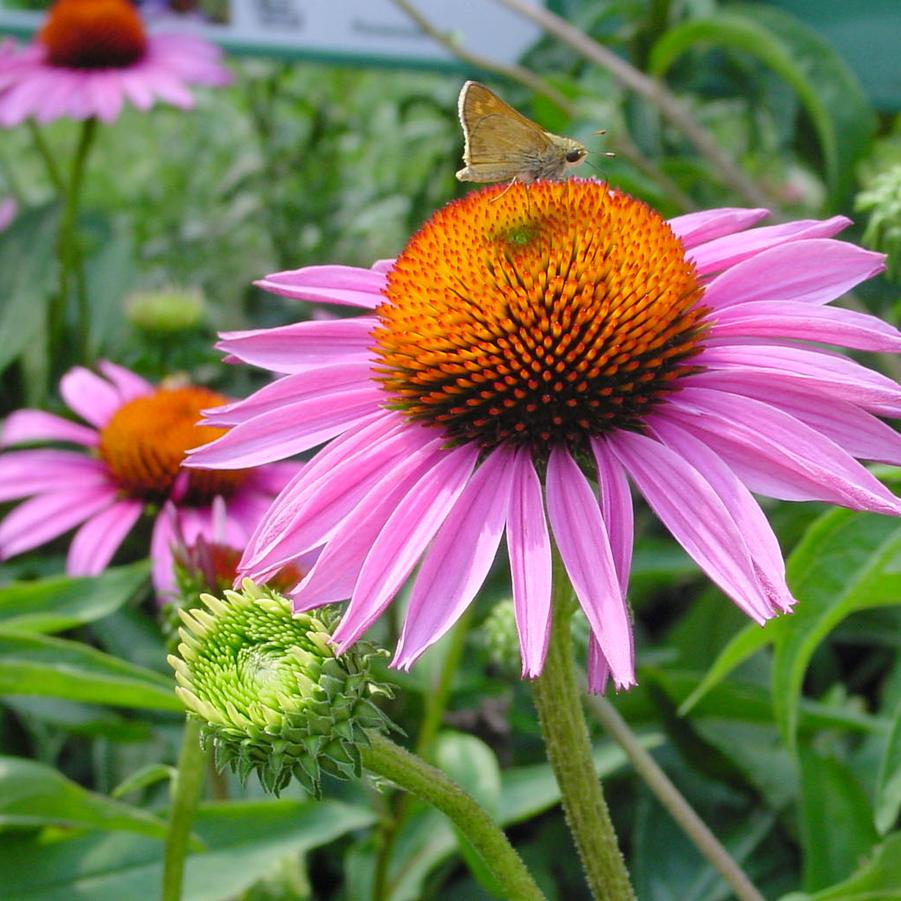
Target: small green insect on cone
273 696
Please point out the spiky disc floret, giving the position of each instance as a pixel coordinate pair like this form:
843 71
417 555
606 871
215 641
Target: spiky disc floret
272 694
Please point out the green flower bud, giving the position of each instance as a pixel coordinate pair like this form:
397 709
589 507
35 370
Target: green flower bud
165 312
502 637
274 697
882 200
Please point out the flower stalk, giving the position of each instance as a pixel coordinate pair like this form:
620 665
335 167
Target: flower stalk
192 765
558 701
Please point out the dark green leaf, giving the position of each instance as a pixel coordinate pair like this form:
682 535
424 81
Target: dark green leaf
888 787
32 794
61 602
36 665
836 821
245 840
27 273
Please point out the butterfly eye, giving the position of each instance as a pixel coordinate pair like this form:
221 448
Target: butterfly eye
574 156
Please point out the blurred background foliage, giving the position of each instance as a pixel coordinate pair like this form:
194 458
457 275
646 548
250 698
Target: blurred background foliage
786 739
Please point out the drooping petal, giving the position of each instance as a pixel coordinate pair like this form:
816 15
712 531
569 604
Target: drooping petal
459 558
302 345
773 453
335 572
129 383
26 426
42 518
341 285
99 538
581 536
697 228
695 515
529 547
812 272
161 562
23 473
597 668
717 255
762 543
616 509
860 433
792 319
402 540
833 375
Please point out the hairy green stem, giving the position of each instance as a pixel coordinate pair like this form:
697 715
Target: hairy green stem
559 705
673 800
192 765
429 784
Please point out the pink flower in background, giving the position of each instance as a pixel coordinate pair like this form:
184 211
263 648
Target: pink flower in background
531 351
8 209
91 56
127 463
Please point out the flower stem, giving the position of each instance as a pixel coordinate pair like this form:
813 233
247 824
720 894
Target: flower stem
429 784
673 800
565 732
192 763
53 173
70 251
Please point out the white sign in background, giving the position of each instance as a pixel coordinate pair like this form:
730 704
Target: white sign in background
352 30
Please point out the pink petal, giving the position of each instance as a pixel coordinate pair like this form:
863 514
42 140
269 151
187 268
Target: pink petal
598 669
812 272
403 539
860 433
791 319
698 228
99 538
342 285
719 254
162 565
46 516
288 431
23 473
529 547
695 515
585 548
94 399
459 558
25 426
616 509
762 543
302 345
129 383
830 374
337 569
773 453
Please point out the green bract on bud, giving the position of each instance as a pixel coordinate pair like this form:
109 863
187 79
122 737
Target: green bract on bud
502 637
273 695
882 200
167 311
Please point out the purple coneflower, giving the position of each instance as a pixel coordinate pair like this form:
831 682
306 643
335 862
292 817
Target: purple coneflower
129 462
91 56
531 351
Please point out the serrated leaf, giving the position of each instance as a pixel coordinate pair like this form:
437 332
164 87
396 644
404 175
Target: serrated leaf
32 794
245 841
37 665
836 822
27 273
63 602
826 87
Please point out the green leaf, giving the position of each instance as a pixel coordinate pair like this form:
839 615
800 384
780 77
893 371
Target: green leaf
79 719
144 777
244 840
879 879
36 665
109 272
471 764
32 794
826 87
61 602
27 272
847 561
888 785
836 822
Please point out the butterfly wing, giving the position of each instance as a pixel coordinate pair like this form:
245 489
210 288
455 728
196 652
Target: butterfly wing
501 143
